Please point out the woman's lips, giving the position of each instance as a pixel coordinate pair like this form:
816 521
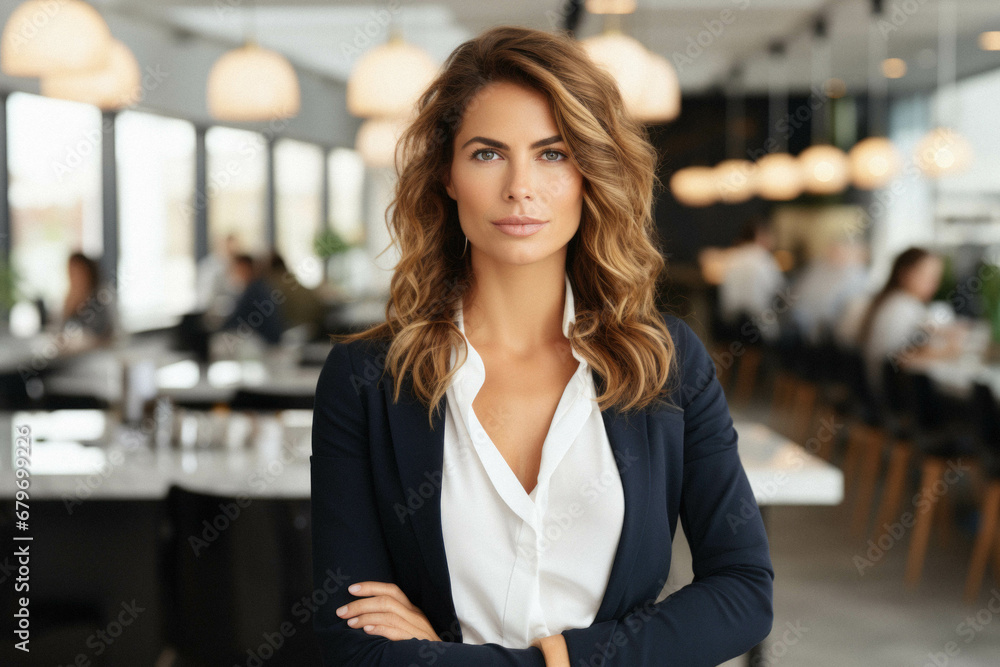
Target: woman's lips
519 225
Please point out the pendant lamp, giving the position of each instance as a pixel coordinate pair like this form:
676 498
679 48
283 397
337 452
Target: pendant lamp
251 83
779 176
874 161
943 151
44 37
116 85
388 80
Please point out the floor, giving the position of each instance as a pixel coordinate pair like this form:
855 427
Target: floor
830 614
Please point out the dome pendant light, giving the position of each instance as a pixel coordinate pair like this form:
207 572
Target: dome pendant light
388 79
42 38
825 168
115 86
943 150
779 174
875 161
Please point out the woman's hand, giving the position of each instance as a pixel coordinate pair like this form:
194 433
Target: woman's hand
554 650
386 611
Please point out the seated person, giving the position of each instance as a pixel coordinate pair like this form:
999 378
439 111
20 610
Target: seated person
751 283
300 305
88 315
258 306
898 324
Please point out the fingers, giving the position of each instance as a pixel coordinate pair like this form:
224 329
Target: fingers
382 603
388 625
386 611
369 588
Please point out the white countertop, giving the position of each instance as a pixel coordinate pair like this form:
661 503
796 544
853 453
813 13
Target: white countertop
83 454
784 473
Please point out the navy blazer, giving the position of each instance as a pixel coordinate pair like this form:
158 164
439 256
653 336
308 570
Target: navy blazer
376 470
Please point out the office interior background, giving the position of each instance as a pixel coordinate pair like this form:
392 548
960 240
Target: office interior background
193 195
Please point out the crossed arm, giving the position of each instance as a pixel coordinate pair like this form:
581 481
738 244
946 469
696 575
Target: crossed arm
722 613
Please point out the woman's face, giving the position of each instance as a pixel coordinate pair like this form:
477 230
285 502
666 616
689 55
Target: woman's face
79 278
508 160
923 279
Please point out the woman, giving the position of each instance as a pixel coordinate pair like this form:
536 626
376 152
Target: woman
897 325
498 469
85 311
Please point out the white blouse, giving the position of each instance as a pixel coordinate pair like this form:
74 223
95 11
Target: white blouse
528 565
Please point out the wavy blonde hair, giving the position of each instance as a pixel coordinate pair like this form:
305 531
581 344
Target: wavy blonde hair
614 261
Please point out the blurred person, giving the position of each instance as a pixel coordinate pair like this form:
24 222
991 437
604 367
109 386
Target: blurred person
86 308
824 288
258 307
216 290
300 305
522 353
751 282
898 324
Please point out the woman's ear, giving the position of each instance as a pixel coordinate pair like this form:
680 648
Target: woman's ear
446 181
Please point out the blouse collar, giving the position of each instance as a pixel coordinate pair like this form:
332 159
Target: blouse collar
569 316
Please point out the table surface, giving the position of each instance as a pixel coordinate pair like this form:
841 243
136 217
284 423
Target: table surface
958 375
87 454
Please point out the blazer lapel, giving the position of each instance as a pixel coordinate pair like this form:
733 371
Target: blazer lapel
629 440
419 457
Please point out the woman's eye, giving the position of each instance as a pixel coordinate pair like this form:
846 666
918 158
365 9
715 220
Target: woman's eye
476 155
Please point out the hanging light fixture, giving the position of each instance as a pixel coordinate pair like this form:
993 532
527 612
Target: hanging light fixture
874 161
825 168
253 84
660 101
694 186
377 139
779 175
610 6
735 178
943 151
114 86
43 37
624 58
388 80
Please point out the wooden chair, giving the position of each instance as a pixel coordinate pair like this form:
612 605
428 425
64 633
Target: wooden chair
941 438
988 534
746 376
863 462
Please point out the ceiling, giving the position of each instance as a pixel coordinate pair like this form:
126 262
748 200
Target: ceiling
328 36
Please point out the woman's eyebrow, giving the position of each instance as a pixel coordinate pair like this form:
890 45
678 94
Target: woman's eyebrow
493 143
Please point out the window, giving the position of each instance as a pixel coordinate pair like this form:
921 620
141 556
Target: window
298 174
156 218
237 187
346 176
55 191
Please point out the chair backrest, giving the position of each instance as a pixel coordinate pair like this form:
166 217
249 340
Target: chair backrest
232 570
987 416
264 401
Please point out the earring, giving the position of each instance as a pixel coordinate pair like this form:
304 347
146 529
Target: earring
466 246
